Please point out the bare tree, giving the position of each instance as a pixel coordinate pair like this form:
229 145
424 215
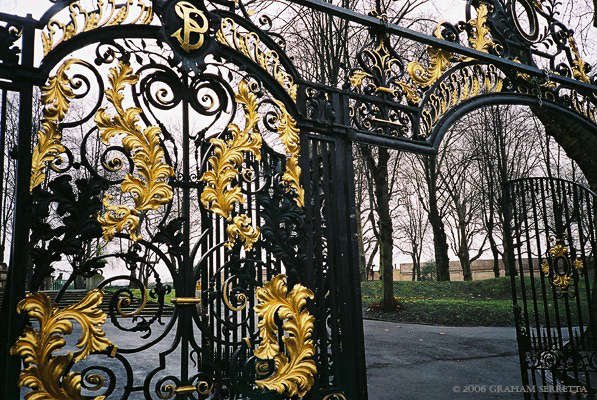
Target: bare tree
411 225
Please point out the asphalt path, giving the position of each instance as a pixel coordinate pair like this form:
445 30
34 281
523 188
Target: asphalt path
422 362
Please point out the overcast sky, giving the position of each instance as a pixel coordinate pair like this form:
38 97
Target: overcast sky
447 9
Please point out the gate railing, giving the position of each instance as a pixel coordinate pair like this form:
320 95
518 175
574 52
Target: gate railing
553 227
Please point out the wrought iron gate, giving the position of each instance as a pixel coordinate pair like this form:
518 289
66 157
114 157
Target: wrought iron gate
177 159
553 225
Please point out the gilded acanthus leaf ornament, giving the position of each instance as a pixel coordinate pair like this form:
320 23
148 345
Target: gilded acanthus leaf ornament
101 13
222 192
56 96
579 66
479 37
295 368
439 62
49 376
148 184
249 44
289 135
457 87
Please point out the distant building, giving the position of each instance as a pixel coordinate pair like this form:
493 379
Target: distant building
481 269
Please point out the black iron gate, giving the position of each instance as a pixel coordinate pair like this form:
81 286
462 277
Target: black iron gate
176 160
554 228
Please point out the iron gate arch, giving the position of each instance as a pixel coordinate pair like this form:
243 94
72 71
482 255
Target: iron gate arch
553 283
283 203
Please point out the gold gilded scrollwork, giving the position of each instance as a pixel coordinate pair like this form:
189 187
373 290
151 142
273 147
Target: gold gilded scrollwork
479 38
439 62
295 368
149 187
461 85
249 44
579 66
221 194
560 278
46 374
383 65
101 13
185 11
480 35
289 135
56 97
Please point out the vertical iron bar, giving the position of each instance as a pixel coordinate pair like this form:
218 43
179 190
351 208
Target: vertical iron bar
12 323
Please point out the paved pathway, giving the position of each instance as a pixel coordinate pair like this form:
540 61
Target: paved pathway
420 362
404 361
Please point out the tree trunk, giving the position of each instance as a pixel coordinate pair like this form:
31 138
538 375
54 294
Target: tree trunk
440 241
386 229
496 256
361 247
465 263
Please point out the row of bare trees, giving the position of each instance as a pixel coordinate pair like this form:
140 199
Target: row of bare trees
452 205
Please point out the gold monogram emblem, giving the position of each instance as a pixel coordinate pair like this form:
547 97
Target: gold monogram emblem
184 10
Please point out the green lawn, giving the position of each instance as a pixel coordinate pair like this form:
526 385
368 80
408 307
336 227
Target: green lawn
477 303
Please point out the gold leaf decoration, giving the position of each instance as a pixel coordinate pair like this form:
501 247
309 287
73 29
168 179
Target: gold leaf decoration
249 44
383 65
149 185
289 135
295 368
241 229
439 62
460 85
46 374
221 193
559 266
56 96
101 13
480 36
579 66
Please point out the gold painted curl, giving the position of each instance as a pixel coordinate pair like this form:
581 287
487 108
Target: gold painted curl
149 186
221 193
56 96
295 368
102 13
249 44
48 375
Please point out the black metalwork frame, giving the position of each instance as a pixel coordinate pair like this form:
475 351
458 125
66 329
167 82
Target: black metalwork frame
315 246
553 231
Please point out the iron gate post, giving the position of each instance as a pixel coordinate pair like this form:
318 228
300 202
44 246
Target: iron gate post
12 323
348 275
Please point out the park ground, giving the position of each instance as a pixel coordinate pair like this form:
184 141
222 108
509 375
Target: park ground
445 340
475 303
